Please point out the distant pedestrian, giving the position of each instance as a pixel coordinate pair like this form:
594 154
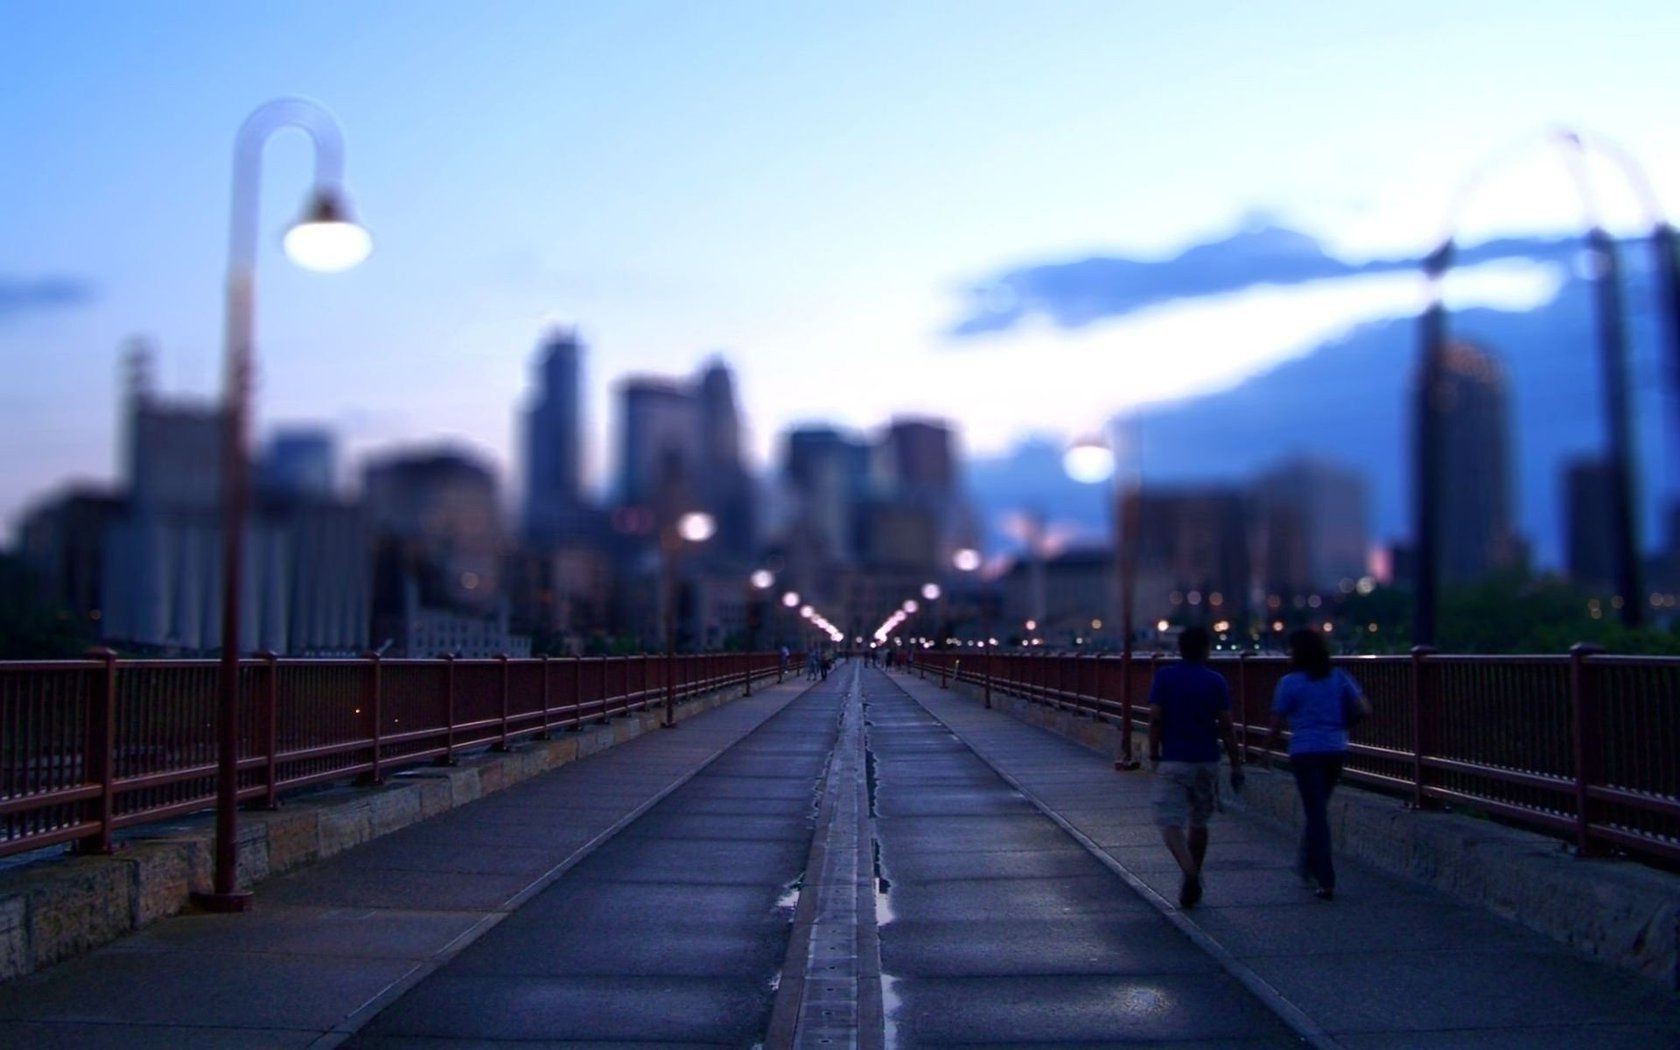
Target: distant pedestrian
1189 717
813 664
827 662
784 665
1319 703
887 661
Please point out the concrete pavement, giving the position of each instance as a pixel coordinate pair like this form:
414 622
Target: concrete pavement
1387 964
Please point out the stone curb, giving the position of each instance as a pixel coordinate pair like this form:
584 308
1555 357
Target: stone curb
1620 912
63 906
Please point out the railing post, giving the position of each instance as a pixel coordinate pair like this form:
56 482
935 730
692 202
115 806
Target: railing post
99 749
448 758
944 664
1423 725
374 701
747 665
1242 701
502 660
990 656
270 729
670 721
1583 705
577 691
542 734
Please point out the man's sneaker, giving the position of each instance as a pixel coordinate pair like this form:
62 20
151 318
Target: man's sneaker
1189 891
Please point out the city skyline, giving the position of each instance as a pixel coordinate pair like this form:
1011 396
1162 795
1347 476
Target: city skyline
491 211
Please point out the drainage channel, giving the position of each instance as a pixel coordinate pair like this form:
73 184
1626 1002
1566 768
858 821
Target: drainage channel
830 991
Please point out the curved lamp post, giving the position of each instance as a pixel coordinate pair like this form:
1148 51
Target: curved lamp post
694 527
1092 461
326 238
1612 345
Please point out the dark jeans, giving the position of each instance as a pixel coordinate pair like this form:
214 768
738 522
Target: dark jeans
1315 778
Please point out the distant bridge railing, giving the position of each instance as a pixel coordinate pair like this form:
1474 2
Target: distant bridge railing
1584 746
88 747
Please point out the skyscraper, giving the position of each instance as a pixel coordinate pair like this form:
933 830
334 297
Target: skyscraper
1590 555
553 440
1476 536
725 488
828 474
1312 522
659 451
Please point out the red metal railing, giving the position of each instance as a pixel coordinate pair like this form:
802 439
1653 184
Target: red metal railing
88 747
1584 746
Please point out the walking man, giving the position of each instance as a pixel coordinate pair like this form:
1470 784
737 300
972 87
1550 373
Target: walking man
1189 717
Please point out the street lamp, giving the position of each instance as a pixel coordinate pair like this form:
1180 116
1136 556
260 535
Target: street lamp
690 528
1091 461
1428 437
325 238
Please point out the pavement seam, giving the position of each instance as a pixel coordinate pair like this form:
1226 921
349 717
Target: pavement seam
831 911
359 1017
1275 1001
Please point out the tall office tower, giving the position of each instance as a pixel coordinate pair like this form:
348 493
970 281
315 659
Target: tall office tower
300 462
828 474
658 454
1476 535
553 440
1589 553
1312 524
438 509
1192 544
919 460
725 488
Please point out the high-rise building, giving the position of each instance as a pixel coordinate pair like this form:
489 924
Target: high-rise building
1312 526
1589 552
658 447
439 507
725 487
919 459
1192 543
1476 534
828 475
553 441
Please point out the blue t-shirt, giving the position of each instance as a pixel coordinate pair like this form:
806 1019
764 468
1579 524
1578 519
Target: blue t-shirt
1316 710
1190 698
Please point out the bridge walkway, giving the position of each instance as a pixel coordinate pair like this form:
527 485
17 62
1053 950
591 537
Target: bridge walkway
872 861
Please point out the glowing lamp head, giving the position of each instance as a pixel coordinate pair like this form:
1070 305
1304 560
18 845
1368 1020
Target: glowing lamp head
696 527
763 579
806 612
1089 461
930 591
910 605
327 239
790 599
966 560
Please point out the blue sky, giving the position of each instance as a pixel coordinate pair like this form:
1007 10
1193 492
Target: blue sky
809 189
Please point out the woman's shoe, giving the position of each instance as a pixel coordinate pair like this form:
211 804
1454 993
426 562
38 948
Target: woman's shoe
1190 891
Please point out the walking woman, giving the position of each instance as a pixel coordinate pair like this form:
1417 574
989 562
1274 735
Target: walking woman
1319 703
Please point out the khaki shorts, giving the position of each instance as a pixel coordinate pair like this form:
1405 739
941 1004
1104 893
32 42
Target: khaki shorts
1185 793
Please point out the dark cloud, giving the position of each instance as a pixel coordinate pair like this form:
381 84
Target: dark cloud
21 295
1076 293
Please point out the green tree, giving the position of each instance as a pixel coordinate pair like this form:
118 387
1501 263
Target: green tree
31 629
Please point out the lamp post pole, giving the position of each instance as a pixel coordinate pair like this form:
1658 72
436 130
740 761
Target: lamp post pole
323 247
